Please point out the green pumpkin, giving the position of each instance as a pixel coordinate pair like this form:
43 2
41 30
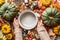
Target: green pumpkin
8 11
51 17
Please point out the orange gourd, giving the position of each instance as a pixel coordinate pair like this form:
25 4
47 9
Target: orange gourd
57 30
56 4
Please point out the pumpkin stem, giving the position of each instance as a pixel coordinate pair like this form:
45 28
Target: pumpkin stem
51 17
6 11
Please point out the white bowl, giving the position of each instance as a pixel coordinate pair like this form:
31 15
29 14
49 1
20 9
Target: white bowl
28 19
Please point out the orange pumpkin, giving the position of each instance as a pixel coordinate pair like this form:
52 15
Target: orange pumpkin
57 30
56 4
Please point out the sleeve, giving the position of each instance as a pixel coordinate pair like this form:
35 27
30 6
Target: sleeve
18 34
43 33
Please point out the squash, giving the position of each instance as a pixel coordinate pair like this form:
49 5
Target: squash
51 17
9 36
8 11
56 5
56 30
6 29
2 37
46 2
2 2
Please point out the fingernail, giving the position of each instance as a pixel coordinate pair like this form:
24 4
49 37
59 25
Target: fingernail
16 18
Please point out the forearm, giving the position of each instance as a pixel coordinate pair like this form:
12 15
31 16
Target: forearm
43 33
18 34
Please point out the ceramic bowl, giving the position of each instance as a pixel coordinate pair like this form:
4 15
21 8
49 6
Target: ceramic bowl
28 19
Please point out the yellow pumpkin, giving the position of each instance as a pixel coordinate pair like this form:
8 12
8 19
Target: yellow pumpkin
9 36
2 2
2 37
57 30
6 29
46 2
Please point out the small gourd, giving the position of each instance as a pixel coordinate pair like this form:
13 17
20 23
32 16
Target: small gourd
46 2
56 4
9 36
6 29
2 37
57 30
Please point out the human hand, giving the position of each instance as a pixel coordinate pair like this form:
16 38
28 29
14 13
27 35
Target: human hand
42 31
15 23
39 23
1 20
17 31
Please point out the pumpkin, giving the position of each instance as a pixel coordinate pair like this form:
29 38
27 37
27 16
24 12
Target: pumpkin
2 2
9 36
56 5
51 17
46 2
8 11
57 30
6 29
